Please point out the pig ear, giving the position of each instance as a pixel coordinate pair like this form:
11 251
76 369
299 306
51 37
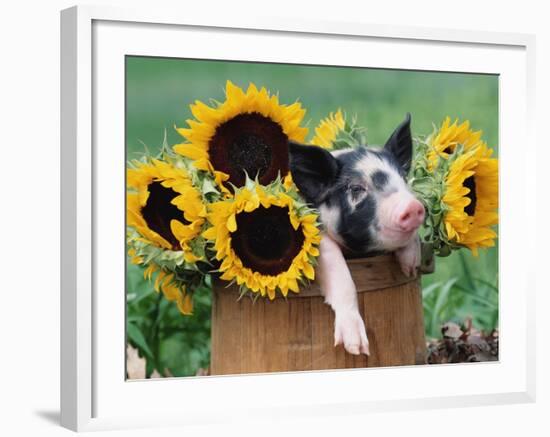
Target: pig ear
313 170
400 144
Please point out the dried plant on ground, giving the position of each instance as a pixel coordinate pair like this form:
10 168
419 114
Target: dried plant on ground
462 344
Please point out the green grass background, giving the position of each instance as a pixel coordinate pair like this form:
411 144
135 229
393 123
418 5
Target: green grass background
158 94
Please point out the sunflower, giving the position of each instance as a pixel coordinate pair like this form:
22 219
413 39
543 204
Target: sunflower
471 198
456 178
336 132
265 239
444 141
328 129
134 257
163 207
172 289
247 134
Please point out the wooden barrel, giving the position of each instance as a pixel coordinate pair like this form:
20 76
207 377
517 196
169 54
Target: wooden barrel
298 333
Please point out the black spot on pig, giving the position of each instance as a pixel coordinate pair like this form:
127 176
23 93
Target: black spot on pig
380 179
348 159
356 225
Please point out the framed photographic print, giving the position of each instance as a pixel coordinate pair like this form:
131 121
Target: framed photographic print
291 218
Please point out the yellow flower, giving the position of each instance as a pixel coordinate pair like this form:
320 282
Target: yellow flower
174 292
171 289
444 141
328 129
164 207
248 132
263 243
471 198
134 258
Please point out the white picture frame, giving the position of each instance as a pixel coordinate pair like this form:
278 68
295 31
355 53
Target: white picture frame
94 393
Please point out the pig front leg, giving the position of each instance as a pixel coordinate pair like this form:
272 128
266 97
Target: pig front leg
409 257
340 293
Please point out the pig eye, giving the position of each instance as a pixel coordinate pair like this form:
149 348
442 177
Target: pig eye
356 190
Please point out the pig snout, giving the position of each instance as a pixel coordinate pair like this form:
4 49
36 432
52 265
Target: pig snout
409 216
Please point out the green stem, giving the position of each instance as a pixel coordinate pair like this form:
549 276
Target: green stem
154 336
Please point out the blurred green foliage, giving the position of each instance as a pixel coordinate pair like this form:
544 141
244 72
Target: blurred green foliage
158 94
171 343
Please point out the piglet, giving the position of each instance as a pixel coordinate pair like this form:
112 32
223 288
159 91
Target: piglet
366 208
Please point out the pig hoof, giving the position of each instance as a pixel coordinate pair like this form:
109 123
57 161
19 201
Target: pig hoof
409 258
349 330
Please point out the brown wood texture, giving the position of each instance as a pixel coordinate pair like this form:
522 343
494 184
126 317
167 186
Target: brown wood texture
297 333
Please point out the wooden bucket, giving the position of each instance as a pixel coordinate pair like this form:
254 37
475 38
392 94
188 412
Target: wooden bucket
298 333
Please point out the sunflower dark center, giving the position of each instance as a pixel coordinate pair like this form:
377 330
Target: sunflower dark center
265 240
251 153
158 212
471 184
250 143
